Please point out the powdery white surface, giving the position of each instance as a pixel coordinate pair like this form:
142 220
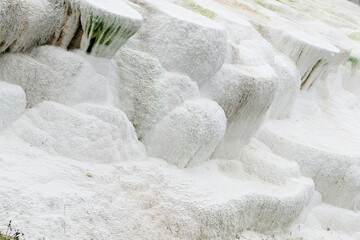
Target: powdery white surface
94 134
239 89
188 134
115 7
50 73
26 23
287 87
183 41
161 91
12 103
136 200
196 93
335 144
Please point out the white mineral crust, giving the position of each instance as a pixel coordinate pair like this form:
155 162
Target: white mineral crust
180 119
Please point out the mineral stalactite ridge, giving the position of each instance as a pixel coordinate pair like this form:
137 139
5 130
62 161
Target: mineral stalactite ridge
180 119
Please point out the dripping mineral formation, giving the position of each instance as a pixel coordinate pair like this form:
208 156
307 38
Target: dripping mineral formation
180 119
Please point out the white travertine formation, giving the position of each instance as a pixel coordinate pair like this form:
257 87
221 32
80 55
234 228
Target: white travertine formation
92 134
12 103
188 134
107 25
183 41
99 28
160 93
329 157
180 119
50 73
25 23
240 90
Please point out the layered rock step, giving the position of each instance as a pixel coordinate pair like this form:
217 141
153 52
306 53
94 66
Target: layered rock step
189 134
146 92
51 73
221 199
87 133
99 28
314 54
330 157
255 81
313 57
183 41
245 94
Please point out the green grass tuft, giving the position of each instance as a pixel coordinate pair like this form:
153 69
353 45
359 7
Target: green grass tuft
354 61
3 237
199 9
354 36
100 32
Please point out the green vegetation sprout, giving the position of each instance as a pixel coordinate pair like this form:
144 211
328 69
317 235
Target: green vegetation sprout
354 61
199 9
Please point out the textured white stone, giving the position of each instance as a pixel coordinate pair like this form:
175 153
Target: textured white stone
25 23
288 85
251 109
188 134
183 42
12 103
51 73
245 94
325 144
92 134
101 27
147 93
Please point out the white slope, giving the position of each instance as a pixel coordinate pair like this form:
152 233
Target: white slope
139 199
330 137
218 119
